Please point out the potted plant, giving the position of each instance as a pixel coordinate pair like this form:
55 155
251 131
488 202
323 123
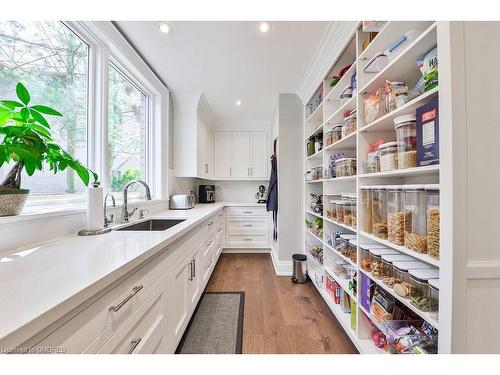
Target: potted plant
26 140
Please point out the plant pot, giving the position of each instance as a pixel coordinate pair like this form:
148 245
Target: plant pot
12 201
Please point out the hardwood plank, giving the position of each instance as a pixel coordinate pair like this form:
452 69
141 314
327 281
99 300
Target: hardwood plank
280 316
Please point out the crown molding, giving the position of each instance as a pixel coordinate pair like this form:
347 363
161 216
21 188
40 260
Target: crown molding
333 41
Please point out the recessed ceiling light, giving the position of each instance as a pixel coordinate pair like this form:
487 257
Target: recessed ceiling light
165 28
264 27
238 103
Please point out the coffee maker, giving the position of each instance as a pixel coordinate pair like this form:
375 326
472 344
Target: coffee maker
261 194
206 194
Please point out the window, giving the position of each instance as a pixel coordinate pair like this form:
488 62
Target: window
53 62
127 132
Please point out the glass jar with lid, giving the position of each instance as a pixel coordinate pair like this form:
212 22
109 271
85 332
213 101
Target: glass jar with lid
415 218
388 156
419 287
434 299
395 215
387 267
364 251
366 210
402 277
379 212
433 230
406 135
376 265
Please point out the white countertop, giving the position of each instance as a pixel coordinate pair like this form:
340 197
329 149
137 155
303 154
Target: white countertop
55 277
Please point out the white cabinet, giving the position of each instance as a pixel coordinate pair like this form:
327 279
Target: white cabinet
194 286
247 228
222 154
204 144
179 292
241 155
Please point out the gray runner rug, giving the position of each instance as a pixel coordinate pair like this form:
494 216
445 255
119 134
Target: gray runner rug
216 326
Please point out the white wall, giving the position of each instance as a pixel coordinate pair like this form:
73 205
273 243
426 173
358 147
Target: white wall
234 191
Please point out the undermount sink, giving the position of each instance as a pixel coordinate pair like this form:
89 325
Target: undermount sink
154 225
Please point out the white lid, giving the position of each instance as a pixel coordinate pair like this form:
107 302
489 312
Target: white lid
432 187
347 236
414 187
372 245
398 121
380 251
388 144
424 274
406 266
353 242
395 187
391 258
434 283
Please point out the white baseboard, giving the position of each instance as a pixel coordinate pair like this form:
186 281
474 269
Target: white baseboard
282 268
246 251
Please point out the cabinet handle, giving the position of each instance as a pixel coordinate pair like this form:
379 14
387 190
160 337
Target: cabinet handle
220 230
210 224
247 239
134 345
194 268
249 173
206 167
135 290
247 212
247 225
191 277
220 215
230 171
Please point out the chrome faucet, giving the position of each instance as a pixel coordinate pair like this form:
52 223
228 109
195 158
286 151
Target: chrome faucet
125 213
110 220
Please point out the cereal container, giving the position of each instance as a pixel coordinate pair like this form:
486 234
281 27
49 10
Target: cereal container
395 215
434 299
419 287
402 277
379 212
387 267
415 219
406 135
347 212
388 156
432 198
366 207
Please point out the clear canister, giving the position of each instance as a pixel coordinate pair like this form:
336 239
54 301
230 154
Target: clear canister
387 266
395 215
388 156
415 219
434 299
366 207
402 277
343 241
406 135
345 167
365 254
419 287
433 231
352 250
336 133
339 207
379 212
347 212
354 212
376 265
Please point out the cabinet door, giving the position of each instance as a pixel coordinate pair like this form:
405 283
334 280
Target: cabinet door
241 154
259 154
203 149
195 277
179 292
222 154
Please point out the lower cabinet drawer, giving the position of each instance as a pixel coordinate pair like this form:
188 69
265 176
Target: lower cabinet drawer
245 226
247 241
246 211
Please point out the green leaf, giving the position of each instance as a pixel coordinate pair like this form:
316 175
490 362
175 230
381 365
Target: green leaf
22 93
43 131
30 167
11 104
46 110
38 117
81 171
25 113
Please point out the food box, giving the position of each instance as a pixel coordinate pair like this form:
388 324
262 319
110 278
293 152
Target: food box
428 133
366 285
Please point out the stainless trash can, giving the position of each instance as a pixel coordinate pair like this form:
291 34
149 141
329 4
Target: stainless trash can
299 268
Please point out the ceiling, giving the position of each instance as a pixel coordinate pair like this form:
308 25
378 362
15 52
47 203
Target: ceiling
229 61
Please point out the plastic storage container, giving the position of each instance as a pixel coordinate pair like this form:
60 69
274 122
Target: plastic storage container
343 240
328 138
339 208
352 250
379 212
415 219
402 277
331 209
354 213
366 210
395 215
365 254
350 124
336 133
388 156
406 135
434 299
387 266
433 231
347 212
345 167
376 265
419 287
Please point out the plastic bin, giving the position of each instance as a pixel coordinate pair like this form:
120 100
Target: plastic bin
345 167
402 277
419 287
434 299
406 135
366 207
379 212
433 221
415 219
395 215
388 156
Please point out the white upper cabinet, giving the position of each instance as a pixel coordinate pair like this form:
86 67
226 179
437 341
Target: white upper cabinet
193 121
222 154
240 155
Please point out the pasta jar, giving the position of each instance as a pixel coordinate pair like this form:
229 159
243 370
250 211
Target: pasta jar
419 287
366 210
434 299
415 219
387 268
432 198
402 277
406 135
388 156
395 215
376 265
379 212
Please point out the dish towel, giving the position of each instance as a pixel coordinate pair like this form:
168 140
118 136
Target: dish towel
272 198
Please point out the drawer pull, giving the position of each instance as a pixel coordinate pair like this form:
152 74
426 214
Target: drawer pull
210 224
134 345
247 239
220 230
191 276
135 290
248 212
194 268
220 215
247 225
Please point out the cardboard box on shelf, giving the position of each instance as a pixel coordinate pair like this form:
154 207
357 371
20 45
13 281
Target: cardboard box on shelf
428 133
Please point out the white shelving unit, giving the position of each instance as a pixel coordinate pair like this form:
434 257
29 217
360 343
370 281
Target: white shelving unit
400 68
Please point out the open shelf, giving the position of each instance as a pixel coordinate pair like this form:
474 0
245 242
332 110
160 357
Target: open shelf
344 283
314 214
316 155
338 116
314 236
354 230
344 178
317 115
429 170
336 253
348 142
315 131
344 81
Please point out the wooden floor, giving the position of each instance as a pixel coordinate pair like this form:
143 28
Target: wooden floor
280 316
